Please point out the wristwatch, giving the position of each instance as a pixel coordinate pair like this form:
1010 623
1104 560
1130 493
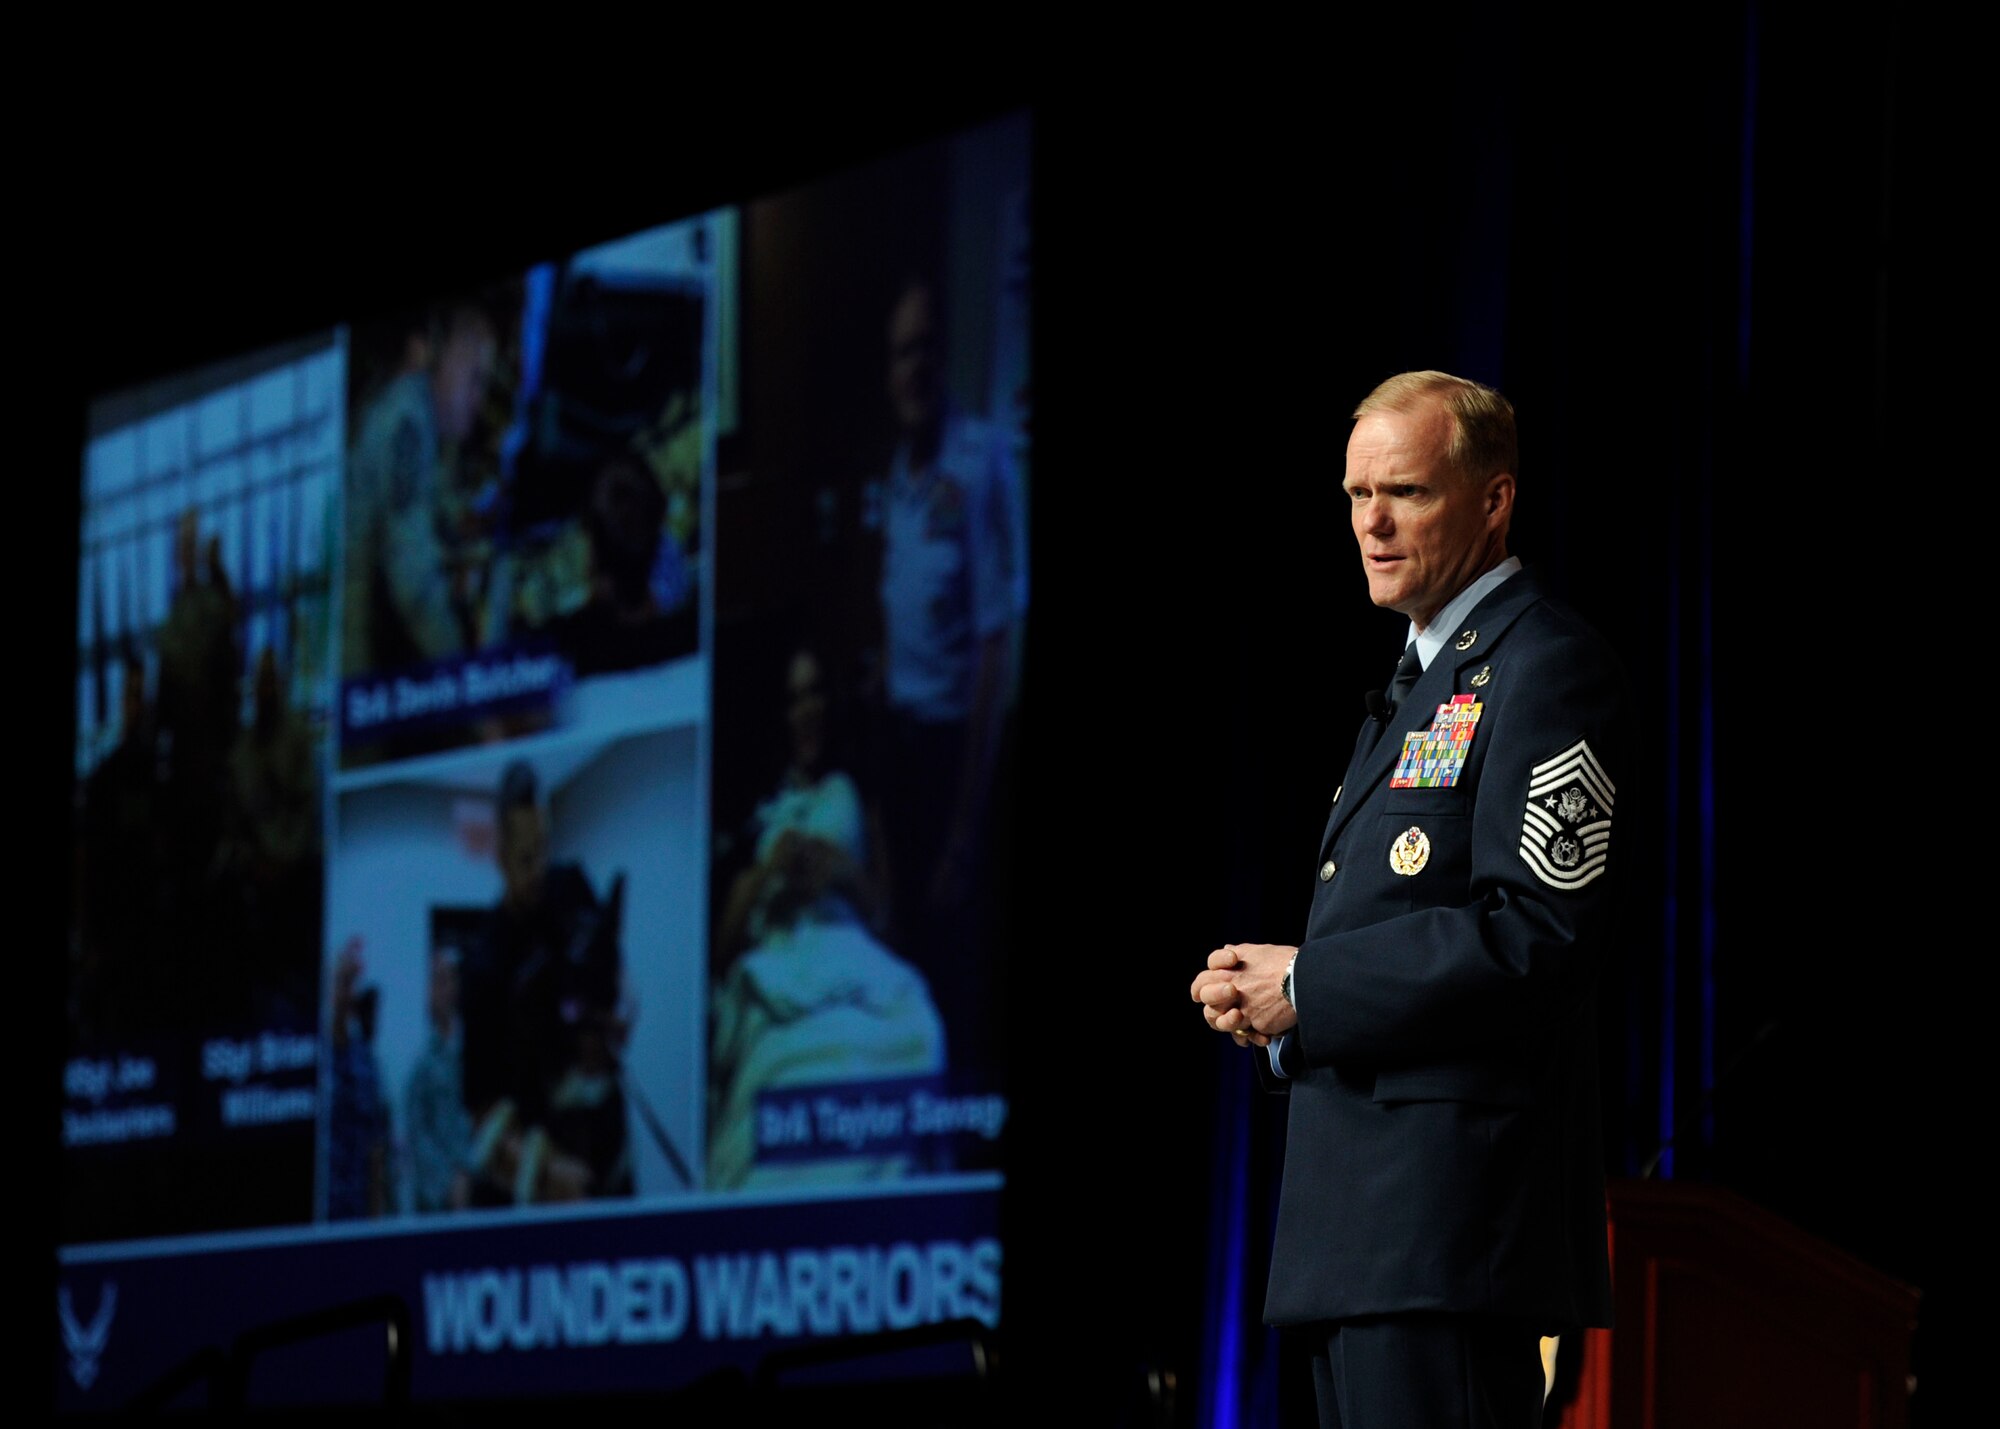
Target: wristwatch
1285 983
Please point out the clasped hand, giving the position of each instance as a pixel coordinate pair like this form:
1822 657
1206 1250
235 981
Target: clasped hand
1240 992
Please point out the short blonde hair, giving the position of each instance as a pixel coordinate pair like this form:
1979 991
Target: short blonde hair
1483 441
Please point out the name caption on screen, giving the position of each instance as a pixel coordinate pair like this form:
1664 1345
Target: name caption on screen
235 1060
856 1123
229 1059
451 690
92 1079
97 1079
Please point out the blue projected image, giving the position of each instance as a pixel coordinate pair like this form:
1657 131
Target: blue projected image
524 498
512 935
541 771
202 729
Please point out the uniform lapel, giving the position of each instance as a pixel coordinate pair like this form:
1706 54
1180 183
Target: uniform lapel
1433 687
1484 627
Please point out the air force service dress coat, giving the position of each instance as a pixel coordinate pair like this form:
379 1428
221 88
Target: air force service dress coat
1443 1148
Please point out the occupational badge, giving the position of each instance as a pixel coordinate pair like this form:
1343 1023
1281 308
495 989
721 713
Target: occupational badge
1485 674
1566 832
1434 758
1410 852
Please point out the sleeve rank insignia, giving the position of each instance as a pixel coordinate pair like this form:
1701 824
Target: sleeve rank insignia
1566 832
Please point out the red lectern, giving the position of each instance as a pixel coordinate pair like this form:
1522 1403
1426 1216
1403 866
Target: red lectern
1729 1315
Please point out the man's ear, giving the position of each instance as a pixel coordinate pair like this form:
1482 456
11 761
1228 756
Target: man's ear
1500 497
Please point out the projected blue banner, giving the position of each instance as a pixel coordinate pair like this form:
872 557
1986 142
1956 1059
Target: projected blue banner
621 1302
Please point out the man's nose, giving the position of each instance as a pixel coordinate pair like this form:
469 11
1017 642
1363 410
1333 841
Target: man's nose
1376 520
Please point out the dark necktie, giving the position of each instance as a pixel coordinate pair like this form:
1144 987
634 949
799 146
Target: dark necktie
1406 677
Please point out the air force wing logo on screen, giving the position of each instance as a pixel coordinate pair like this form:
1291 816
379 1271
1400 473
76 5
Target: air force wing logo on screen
1566 833
85 1341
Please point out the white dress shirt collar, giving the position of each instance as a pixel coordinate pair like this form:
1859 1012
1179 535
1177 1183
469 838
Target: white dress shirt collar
1445 623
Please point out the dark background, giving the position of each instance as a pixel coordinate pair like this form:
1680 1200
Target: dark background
1715 265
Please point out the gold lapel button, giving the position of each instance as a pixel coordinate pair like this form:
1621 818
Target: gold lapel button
1465 640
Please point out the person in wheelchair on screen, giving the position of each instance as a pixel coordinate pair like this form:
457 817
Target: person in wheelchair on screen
546 1019
812 995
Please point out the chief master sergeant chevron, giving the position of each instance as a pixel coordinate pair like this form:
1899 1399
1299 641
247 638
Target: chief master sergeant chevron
1443 1199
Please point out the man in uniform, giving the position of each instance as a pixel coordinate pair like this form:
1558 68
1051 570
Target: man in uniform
1443 1205
948 597
545 1020
400 607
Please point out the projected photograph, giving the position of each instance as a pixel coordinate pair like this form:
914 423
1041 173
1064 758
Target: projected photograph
202 714
512 940
541 828
872 593
523 523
